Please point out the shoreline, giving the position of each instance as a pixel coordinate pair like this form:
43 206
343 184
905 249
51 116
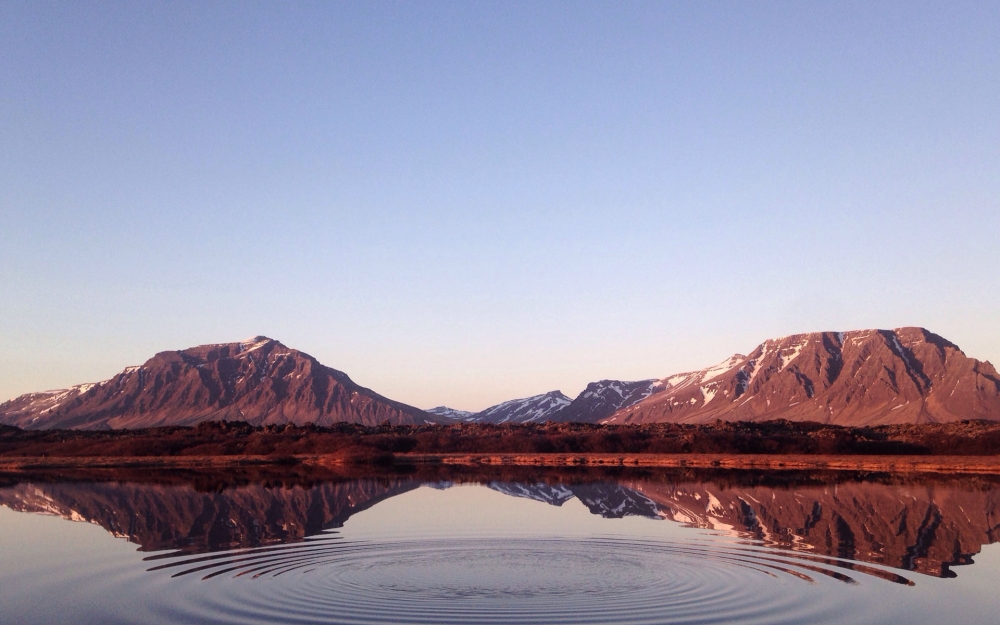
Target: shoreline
769 462
766 462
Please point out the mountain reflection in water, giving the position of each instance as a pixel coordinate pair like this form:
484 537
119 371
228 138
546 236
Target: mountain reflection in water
825 524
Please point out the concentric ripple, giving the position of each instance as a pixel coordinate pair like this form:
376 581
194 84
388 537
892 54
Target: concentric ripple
519 580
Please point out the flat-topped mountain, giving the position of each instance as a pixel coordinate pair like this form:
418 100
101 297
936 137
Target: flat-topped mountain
259 381
864 377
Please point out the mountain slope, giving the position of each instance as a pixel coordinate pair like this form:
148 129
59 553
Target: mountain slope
451 413
259 381
864 377
602 399
535 409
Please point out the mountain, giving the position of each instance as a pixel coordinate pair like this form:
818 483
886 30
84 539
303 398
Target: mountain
602 399
857 378
597 401
864 377
451 413
259 381
536 409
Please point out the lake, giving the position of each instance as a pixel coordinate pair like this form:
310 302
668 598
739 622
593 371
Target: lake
510 546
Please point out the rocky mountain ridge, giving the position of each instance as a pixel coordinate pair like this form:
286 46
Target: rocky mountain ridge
597 401
858 378
259 381
535 409
451 413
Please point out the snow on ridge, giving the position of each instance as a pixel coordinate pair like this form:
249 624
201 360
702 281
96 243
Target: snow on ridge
522 400
450 413
619 387
651 388
716 370
526 409
679 380
796 350
899 350
253 343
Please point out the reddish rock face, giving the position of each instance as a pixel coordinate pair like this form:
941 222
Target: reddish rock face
865 377
259 381
602 399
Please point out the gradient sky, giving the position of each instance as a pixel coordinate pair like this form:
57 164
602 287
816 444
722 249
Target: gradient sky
461 203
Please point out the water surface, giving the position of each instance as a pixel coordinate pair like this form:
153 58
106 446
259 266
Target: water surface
516 547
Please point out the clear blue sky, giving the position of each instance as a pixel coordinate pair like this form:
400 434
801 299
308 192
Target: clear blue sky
461 203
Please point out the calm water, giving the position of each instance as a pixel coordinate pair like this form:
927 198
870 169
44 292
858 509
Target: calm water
511 548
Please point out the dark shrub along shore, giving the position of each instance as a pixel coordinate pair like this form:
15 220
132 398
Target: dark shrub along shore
386 444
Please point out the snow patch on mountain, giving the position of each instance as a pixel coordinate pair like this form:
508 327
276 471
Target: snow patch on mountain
535 409
451 413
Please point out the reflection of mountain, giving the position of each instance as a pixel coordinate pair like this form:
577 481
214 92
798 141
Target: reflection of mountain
555 494
927 527
607 499
919 528
179 517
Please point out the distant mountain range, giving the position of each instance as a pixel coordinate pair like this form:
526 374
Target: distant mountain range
598 401
536 409
864 377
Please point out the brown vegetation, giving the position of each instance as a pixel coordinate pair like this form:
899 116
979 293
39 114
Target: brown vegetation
360 444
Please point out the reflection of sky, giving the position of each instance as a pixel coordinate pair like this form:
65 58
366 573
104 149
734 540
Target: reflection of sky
51 568
466 508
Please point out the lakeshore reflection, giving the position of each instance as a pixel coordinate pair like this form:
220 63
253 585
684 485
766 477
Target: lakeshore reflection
826 523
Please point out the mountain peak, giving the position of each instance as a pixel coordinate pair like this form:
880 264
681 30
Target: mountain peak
451 413
858 377
534 409
259 381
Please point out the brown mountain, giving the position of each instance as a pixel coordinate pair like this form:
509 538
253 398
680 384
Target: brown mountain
864 377
602 399
259 381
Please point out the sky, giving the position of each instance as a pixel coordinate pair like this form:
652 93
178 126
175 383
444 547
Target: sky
461 203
